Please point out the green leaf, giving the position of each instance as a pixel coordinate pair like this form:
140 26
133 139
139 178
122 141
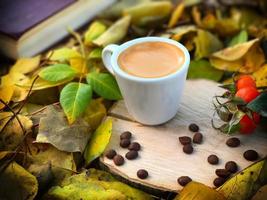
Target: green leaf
203 69
259 105
104 85
74 99
115 33
239 38
93 32
98 141
96 53
63 54
57 73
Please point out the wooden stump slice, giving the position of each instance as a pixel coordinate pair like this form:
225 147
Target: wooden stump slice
161 153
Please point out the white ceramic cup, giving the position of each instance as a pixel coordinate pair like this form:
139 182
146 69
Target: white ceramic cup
150 101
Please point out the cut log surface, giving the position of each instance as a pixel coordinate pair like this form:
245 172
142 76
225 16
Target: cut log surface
161 153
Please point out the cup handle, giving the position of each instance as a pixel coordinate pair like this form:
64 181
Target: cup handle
106 56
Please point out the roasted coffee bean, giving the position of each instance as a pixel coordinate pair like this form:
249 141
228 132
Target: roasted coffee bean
118 160
231 166
124 143
233 142
222 173
110 154
134 146
142 174
188 149
131 155
213 159
193 128
184 180
126 135
219 181
198 138
185 140
251 155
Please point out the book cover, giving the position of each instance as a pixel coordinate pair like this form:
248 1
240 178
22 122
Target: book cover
18 16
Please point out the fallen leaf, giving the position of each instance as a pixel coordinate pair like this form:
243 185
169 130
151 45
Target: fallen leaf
26 65
74 98
94 113
98 141
116 10
62 163
180 31
245 184
198 191
143 13
63 54
261 193
79 65
96 53
94 31
6 90
94 184
54 129
17 183
13 133
203 69
239 38
176 15
244 58
261 76
40 83
114 33
206 43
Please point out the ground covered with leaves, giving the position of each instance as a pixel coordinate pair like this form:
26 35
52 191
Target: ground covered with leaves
52 105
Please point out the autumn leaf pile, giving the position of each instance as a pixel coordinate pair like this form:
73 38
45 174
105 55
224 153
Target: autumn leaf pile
52 104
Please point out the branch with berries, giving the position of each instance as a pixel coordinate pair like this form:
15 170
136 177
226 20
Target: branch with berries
242 108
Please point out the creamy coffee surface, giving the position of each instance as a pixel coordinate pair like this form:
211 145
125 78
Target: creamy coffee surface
151 59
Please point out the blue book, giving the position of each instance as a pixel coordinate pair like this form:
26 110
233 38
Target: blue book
28 27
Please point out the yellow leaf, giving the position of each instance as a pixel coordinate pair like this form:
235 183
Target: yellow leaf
63 54
93 32
95 185
245 58
40 83
115 33
98 141
13 133
94 113
206 43
261 76
198 191
79 64
26 65
6 90
176 15
180 31
17 183
148 10
243 185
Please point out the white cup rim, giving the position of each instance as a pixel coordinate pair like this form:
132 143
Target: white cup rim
124 46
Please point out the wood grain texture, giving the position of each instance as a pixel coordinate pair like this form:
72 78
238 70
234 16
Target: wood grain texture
161 154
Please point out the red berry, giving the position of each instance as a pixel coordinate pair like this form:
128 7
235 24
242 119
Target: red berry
245 81
247 93
247 125
256 118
